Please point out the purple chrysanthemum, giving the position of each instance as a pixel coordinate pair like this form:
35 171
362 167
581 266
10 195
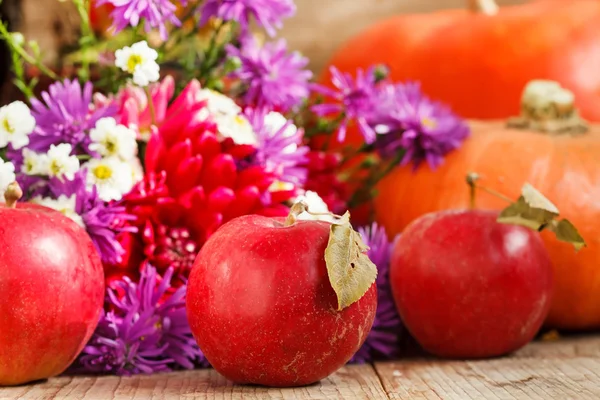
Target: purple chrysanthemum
274 78
355 101
268 13
383 339
103 221
66 116
146 330
279 147
155 13
411 122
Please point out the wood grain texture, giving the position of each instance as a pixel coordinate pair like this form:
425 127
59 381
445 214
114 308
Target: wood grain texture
352 382
566 369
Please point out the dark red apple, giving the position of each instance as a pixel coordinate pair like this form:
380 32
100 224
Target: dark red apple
262 308
51 292
467 286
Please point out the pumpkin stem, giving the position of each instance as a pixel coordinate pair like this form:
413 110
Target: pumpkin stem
487 7
548 107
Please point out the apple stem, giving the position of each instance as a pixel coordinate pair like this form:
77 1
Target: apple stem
12 194
297 209
472 179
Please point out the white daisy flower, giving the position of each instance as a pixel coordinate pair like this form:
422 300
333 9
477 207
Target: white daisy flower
236 127
112 177
16 123
140 61
7 176
64 204
60 162
34 163
217 103
110 139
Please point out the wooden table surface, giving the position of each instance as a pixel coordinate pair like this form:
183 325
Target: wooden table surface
565 369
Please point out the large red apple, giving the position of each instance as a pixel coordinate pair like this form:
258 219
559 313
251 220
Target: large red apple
263 309
51 291
467 286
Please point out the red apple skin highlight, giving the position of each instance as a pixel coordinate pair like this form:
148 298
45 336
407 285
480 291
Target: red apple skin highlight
469 287
262 309
51 292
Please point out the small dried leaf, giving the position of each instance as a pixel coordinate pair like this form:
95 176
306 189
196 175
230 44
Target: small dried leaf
533 210
537 200
351 272
522 213
565 231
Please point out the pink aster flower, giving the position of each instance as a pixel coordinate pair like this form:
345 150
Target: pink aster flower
154 13
133 108
268 13
273 77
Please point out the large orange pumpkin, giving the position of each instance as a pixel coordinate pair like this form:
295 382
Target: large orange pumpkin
478 61
565 166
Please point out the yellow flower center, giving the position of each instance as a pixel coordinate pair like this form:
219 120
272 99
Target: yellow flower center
133 62
102 172
7 126
240 120
111 146
428 122
55 167
29 165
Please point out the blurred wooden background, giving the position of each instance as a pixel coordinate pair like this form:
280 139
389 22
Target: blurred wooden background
319 27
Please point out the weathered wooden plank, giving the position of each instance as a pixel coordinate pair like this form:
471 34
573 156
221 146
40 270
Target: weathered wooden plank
566 369
352 382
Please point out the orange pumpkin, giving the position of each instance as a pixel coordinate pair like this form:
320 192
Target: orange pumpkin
477 61
564 165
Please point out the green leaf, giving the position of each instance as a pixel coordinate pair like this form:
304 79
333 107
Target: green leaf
351 272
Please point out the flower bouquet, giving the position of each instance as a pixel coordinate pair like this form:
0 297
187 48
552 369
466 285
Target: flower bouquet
179 118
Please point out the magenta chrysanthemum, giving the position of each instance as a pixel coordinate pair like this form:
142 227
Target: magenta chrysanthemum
279 146
144 331
267 13
103 221
354 100
154 13
410 122
66 116
383 339
273 77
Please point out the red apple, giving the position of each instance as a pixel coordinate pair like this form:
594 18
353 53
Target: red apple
262 308
467 286
51 292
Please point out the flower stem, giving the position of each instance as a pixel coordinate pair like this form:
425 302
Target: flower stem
18 49
87 38
151 105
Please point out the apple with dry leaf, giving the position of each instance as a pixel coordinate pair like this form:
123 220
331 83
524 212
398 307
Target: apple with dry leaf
476 283
282 302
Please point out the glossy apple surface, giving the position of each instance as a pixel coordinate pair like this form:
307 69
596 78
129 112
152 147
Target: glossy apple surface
262 308
51 292
469 287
